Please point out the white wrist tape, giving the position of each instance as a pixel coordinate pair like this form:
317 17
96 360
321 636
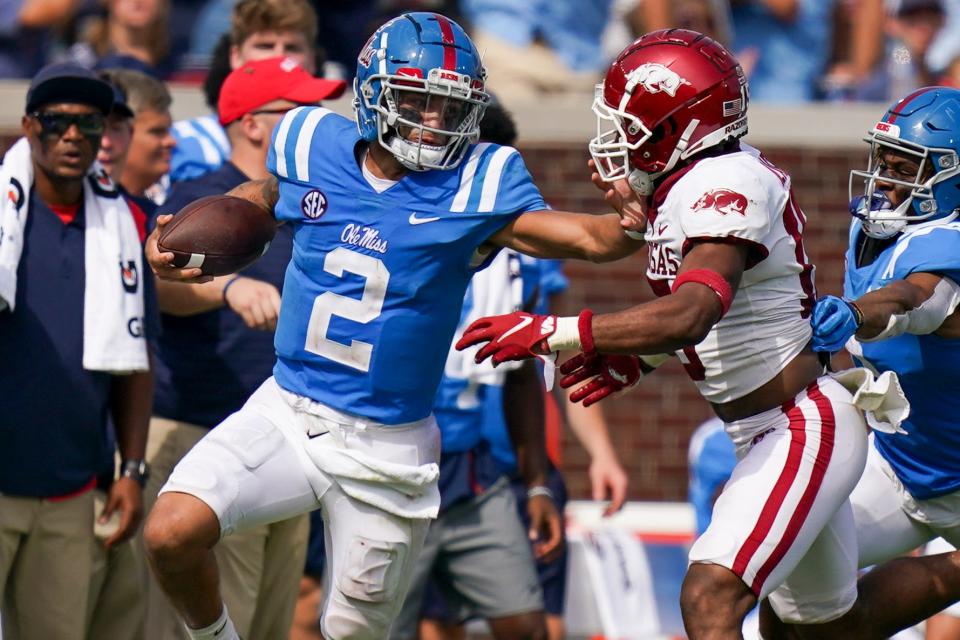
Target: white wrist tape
926 318
567 335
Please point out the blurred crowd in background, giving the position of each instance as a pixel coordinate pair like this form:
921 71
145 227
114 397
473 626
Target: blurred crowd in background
793 50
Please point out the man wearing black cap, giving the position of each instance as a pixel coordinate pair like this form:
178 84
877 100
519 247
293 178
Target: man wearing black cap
73 322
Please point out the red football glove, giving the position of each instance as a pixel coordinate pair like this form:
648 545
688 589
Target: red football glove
611 373
514 336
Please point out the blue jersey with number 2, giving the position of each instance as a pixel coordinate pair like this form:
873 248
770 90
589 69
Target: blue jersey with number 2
927 458
373 291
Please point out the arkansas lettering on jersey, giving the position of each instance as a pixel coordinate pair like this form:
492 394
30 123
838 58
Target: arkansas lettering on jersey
372 295
739 198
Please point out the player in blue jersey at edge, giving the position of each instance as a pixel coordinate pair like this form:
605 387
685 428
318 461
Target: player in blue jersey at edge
898 313
392 215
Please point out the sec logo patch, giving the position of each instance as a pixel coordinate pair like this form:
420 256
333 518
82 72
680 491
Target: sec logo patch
313 204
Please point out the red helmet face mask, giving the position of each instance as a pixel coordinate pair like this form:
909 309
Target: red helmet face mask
669 95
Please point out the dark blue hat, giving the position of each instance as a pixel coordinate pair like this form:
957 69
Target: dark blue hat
120 106
69 82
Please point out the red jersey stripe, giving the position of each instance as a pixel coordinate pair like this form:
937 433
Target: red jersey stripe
449 50
768 515
822 461
794 221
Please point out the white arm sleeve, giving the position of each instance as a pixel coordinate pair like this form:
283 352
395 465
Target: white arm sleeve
926 318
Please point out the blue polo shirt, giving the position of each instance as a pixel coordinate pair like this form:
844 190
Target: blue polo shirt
53 412
208 364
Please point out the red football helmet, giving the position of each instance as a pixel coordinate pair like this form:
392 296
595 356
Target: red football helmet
669 95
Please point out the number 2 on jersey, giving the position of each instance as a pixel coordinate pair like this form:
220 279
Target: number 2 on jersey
357 354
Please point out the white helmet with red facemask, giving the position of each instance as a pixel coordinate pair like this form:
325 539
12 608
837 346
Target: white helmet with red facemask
669 95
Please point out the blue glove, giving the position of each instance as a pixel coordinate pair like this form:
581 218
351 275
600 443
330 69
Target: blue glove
834 321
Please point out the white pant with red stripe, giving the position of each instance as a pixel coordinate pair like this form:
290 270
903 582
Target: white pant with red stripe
783 522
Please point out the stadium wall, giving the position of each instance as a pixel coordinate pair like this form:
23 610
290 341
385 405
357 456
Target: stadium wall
651 426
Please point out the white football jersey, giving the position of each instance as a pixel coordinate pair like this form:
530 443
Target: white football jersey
738 197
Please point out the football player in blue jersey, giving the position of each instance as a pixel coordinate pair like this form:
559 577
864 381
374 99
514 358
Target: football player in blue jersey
898 313
392 215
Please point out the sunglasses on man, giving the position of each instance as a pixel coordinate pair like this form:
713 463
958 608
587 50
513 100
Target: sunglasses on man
56 124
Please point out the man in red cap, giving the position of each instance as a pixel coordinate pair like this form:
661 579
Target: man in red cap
217 348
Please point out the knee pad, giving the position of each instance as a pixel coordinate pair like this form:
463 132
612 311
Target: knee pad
368 591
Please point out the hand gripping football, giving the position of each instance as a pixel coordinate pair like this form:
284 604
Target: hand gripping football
218 234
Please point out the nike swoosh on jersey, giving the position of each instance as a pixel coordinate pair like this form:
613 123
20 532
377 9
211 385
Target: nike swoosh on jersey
517 327
415 220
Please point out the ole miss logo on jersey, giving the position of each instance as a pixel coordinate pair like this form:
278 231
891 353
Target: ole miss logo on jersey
724 201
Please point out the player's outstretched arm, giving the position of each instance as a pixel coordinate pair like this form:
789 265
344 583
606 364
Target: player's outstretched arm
559 234
920 304
598 238
703 291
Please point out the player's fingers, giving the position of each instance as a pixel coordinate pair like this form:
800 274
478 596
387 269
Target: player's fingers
598 395
473 336
598 182
511 352
574 363
582 392
576 377
485 352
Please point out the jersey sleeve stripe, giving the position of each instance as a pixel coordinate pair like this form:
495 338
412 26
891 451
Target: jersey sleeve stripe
304 140
902 245
491 180
216 133
460 200
280 142
186 131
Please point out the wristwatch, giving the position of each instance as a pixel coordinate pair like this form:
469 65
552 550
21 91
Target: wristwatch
137 470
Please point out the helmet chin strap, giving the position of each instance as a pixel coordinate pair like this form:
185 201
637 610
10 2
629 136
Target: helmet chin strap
682 145
642 182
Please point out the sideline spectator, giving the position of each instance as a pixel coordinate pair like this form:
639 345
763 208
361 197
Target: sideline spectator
216 349
133 34
536 47
259 29
910 27
75 322
148 159
117 132
25 27
783 46
116 601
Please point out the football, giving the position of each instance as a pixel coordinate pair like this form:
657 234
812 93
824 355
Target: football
218 234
